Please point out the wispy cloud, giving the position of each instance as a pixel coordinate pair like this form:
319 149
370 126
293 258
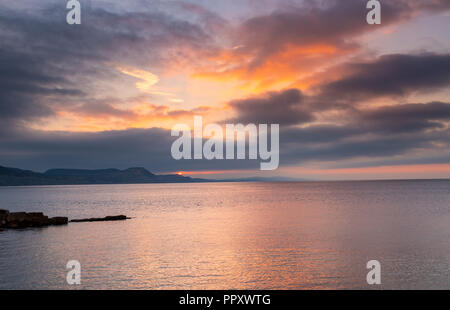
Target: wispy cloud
148 79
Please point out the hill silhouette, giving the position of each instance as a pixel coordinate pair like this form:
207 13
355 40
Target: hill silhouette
137 175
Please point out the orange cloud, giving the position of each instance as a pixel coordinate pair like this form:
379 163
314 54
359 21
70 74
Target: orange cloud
275 71
108 117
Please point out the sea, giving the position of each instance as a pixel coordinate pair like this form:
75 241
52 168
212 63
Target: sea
283 236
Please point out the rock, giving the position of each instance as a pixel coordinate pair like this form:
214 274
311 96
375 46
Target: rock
58 220
3 216
24 220
16 220
38 219
102 219
36 214
115 218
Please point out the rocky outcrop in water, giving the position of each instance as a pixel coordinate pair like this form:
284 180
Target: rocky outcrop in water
102 219
15 220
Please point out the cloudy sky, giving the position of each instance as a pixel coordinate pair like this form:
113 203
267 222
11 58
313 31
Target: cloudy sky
354 101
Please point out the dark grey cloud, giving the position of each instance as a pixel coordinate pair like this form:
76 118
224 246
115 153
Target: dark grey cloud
406 117
314 22
104 36
377 147
395 119
149 148
375 133
371 135
391 75
46 63
25 81
412 149
284 108
308 25
41 150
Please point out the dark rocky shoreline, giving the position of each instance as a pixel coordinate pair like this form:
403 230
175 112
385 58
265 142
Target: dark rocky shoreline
18 220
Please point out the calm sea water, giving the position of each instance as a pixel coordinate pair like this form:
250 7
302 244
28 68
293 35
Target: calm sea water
233 236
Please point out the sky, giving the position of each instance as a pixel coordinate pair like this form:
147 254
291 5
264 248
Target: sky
353 100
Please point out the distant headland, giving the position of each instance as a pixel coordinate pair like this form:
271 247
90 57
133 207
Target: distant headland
19 177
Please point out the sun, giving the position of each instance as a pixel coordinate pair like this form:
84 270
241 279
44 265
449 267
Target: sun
179 173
